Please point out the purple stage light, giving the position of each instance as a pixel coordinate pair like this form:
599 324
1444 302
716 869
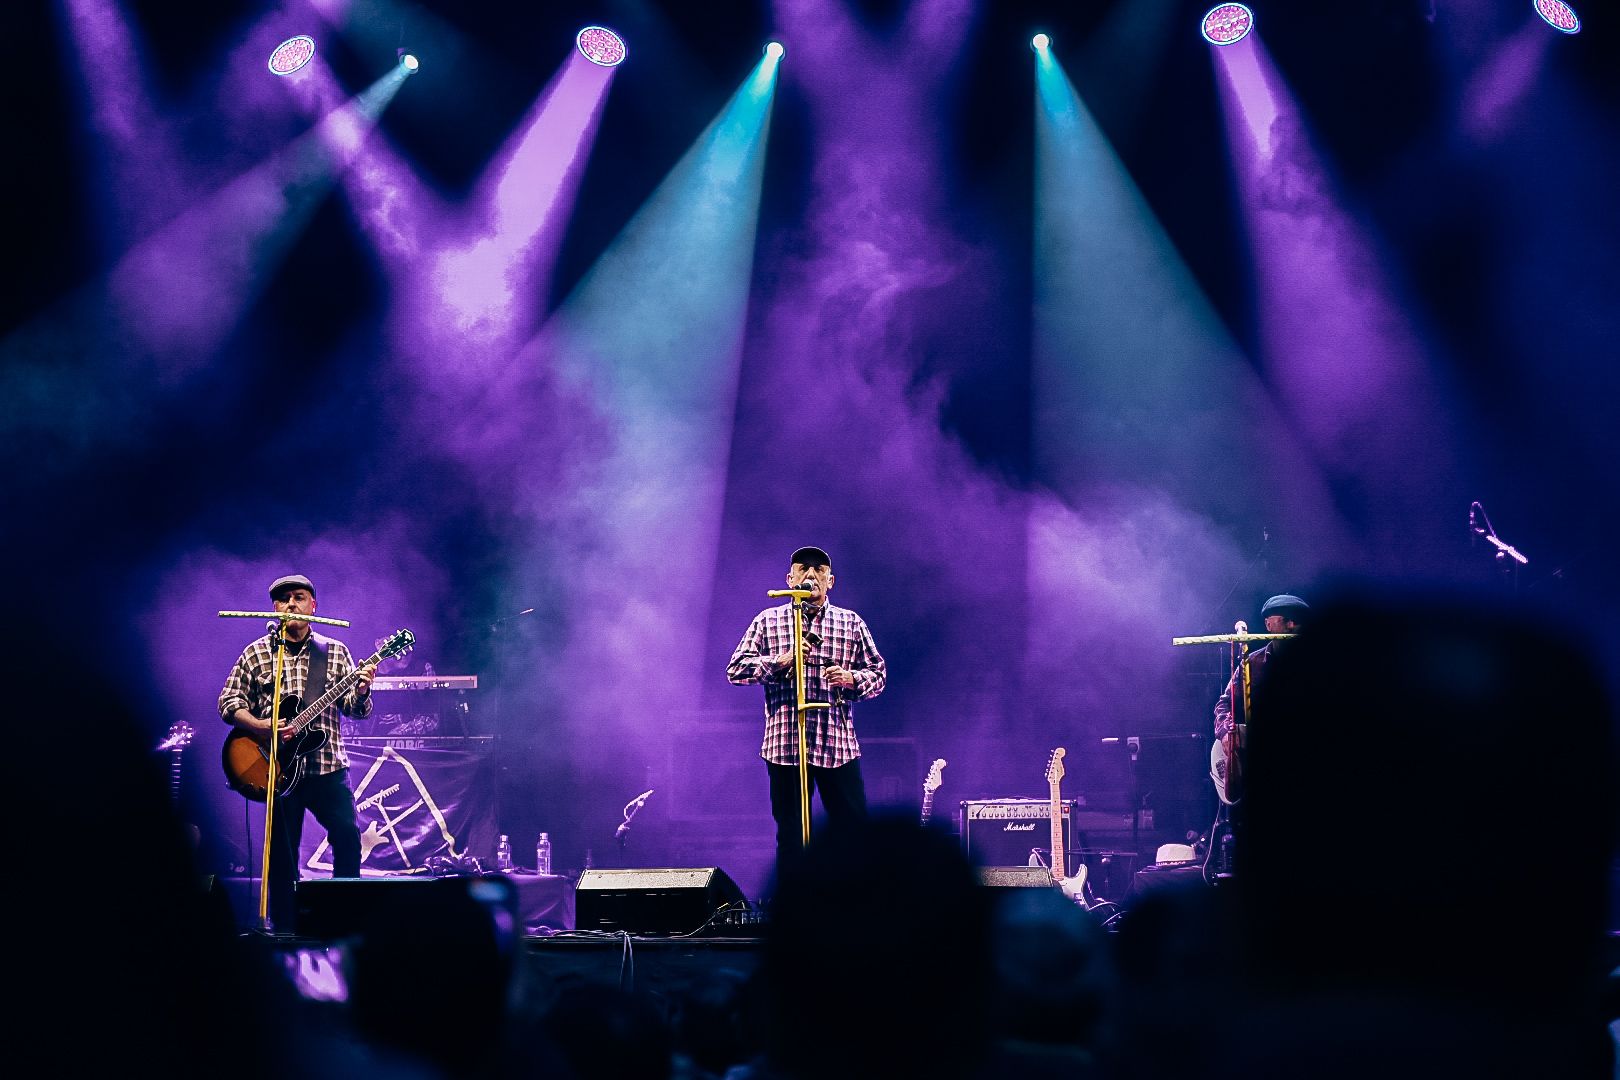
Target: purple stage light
1227 24
291 55
774 50
1558 15
601 46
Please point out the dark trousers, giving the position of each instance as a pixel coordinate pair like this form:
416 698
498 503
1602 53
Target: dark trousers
327 797
843 796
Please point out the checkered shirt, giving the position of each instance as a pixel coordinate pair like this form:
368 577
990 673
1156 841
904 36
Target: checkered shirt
250 683
845 641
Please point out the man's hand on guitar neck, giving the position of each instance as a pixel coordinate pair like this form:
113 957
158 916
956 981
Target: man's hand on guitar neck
362 682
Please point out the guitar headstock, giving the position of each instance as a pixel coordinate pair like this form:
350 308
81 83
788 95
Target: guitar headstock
179 737
933 780
1054 766
396 644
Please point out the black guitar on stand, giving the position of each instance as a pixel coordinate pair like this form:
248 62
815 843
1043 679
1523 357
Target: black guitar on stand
174 744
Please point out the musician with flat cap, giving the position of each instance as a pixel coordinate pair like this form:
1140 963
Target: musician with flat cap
842 665
1283 614
313 663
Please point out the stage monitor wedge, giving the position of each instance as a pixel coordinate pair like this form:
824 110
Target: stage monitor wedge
654 901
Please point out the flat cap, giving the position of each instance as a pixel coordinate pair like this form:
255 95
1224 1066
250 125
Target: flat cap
288 583
810 556
1284 602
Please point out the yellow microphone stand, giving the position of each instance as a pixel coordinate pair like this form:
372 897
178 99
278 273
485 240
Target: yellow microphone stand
799 594
283 618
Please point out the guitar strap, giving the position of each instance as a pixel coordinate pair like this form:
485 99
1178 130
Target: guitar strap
315 683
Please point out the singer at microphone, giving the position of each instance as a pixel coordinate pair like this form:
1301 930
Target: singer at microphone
311 665
844 665
1283 614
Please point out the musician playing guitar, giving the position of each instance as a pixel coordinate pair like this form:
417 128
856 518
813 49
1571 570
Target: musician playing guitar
313 663
1283 614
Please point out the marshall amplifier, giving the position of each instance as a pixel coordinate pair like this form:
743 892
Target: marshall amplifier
1002 832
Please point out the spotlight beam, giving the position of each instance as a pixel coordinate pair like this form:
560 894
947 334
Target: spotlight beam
1135 375
651 338
131 145
1348 365
156 321
491 281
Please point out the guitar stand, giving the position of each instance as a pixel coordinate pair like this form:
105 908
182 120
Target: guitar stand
282 619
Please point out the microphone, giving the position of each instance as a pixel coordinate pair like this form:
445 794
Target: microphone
630 811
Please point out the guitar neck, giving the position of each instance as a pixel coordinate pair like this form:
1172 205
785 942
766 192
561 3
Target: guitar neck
928 805
1060 865
333 692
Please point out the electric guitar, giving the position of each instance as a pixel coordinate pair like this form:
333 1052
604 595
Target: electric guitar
1226 756
174 743
246 755
1074 888
931 785
1225 767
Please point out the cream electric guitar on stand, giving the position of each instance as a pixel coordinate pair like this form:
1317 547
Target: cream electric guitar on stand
1074 888
930 785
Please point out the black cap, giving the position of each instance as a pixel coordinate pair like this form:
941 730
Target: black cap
810 557
289 583
1284 603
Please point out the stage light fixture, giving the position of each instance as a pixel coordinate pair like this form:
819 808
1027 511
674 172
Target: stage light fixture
1227 24
1040 42
601 46
1558 15
774 50
409 62
291 55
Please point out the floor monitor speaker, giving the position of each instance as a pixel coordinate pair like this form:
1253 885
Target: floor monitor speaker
654 901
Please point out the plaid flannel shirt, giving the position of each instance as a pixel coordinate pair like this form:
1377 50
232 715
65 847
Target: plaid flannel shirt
1229 709
249 686
842 639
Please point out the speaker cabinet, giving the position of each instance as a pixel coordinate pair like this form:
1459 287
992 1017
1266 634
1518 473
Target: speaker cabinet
1154 880
1015 877
655 901
1002 832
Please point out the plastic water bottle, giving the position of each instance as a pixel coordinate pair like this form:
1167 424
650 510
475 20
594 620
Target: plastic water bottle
503 854
542 854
